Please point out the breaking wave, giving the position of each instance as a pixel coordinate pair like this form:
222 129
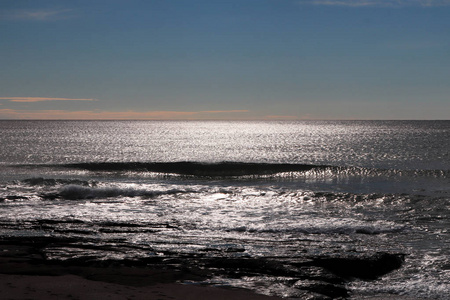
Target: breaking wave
230 169
77 192
197 168
331 227
40 181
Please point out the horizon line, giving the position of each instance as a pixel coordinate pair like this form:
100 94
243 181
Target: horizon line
226 120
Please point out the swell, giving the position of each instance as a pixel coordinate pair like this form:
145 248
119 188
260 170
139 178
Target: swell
197 168
75 192
231 169
41 181
220 169
377 172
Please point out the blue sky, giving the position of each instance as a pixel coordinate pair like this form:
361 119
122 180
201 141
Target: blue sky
245 59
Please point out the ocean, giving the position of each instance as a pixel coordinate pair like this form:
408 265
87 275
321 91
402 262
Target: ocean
184 193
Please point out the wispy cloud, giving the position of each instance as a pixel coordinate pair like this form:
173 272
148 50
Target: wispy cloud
36 14
113 115
40 99
223 111
280 117
377 3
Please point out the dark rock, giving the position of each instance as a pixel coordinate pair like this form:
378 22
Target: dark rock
308 277
234 250
363 267
50 196
320 274
332 291
12 197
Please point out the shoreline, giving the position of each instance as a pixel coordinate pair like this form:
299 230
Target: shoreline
25 275
42 287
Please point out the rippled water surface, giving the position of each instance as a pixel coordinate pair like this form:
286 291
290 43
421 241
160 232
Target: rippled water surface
400 144
239 189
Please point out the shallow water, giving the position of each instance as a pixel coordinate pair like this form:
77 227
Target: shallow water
314 188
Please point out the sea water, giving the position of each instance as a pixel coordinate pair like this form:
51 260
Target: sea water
254 188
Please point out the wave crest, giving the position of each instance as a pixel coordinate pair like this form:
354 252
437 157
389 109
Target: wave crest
77 192
40 181
230 169
197 168
334 227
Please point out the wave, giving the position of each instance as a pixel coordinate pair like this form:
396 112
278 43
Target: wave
197 168
333 227
236 169
372 172
77 192
40 181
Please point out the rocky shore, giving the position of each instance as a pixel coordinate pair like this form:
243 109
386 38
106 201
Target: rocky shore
27 272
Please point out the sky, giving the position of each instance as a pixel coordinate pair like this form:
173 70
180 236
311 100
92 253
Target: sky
231 59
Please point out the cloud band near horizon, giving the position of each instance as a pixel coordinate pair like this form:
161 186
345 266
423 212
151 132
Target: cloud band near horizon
111 115
40 99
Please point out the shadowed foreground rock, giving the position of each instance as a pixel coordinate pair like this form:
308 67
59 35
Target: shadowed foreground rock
318 277
363 267
324 276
